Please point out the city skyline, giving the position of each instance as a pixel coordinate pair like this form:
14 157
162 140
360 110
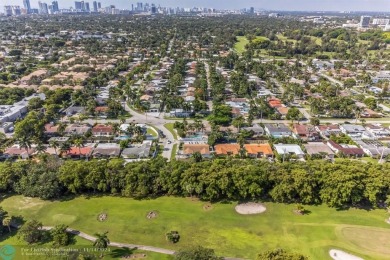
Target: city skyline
288 5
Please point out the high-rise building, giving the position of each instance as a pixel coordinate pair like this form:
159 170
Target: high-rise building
380 21
95 6
364 21
27 6
153 10
99 5
252 10
86 7
77 5
8 10
139 7
43 8
16 10
55 6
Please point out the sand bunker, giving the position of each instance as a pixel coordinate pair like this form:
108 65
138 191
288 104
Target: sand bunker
250 208
341 255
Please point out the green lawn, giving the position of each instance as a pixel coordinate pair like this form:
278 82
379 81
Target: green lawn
169 126
221 228
240 45
174 150
151 131
79 244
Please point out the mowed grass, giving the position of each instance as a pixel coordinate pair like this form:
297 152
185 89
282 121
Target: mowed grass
221 228
80 244
170 128
239 47
174 151
242 41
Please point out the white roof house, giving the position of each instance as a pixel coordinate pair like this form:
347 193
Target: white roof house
282 149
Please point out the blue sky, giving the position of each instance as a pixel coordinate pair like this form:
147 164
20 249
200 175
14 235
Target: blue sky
329 5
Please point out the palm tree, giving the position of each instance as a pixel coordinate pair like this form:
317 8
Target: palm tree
55 145
115 128
25 143
101 241
197 156
7 221
40 148
61 128
65 147
78 142
138 130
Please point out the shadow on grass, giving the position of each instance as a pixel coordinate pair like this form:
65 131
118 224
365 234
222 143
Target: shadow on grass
6 235
122 252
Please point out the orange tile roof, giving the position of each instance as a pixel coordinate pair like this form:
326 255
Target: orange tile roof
274 103
282 110
258 148
76 151
227 149
193 148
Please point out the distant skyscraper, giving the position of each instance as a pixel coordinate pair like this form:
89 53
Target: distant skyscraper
153 10
139 7
43 8
55 6
77 5
8 10
252 10
365 21
95 6
86 7
27 6
99 5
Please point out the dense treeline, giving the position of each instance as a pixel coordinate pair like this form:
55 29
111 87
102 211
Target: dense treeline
339 184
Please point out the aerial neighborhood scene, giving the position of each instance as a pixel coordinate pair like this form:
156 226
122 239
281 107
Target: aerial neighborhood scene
195 130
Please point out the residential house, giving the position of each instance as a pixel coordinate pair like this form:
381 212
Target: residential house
356 132
256 129
305 132
101 130
16 151
101 111
181 113
283 111
137 151
74 110
227 149
79 152
374 148
274 102
240 106
289 149
59 140
327 130
77 129
190 149
346 149
106 150
277 130
259 150
51 130
378 131
6 127
319 149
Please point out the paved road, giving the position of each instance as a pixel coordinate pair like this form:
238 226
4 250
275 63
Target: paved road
331 79
305 113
